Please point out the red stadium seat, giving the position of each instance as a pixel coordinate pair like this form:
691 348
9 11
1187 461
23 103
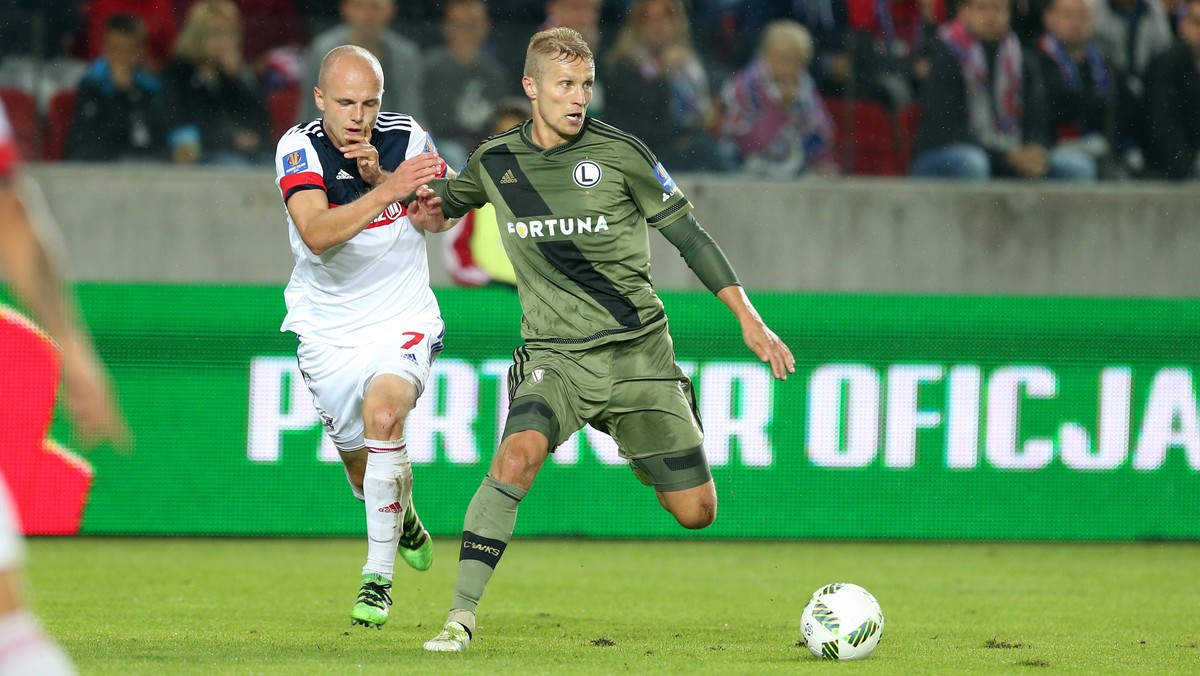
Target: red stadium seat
866 138
23 115
58 124
282 106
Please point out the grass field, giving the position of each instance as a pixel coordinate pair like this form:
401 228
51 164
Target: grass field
278 606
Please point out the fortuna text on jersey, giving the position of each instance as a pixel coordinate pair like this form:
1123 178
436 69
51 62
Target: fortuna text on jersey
557 227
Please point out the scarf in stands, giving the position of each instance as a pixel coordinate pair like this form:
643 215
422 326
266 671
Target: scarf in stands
784 141
998 128
1054 49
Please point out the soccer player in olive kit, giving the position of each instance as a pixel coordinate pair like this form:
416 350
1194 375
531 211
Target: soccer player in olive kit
575 199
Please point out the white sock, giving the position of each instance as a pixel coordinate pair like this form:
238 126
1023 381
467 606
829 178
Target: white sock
25 648
387 485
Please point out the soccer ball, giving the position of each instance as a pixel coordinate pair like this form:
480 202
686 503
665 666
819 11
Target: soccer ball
842 621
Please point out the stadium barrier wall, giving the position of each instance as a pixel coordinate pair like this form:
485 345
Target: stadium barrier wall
858 236
908 417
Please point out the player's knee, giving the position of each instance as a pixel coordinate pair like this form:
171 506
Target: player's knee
519 458
697 515
694 508
384 420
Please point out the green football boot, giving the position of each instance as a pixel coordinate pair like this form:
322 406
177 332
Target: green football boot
374 599
416 547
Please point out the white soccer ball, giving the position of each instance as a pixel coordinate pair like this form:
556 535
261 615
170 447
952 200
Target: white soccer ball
842 621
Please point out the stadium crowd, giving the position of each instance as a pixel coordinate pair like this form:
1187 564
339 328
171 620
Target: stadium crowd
1076 90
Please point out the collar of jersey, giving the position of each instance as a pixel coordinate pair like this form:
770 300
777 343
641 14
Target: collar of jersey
560 148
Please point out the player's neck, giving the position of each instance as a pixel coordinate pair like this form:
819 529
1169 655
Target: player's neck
546 138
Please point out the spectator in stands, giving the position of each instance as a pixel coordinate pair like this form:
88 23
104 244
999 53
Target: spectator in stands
37 29
900 29
1173 102
983 108
1086 102
473 252
582 15
1131 33
658 88
118 109
268 25
773 120
1176 12
845 62
365 24
469 84
214 112
157 15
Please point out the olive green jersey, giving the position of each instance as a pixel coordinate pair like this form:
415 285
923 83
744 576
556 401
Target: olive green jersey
575 222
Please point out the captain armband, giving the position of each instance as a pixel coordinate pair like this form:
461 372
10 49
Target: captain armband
701 253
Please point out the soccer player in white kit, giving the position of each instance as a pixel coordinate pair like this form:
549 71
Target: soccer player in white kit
359 298
33 275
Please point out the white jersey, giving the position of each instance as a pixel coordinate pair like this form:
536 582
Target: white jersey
377 283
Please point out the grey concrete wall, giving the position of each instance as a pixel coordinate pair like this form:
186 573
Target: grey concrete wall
212 225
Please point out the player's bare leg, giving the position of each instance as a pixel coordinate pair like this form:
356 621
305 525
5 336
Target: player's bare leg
387 489
694 508
487 528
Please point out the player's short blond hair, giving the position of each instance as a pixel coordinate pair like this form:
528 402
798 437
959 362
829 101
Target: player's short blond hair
562 43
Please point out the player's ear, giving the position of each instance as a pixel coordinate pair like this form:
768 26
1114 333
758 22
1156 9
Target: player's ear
529 86
319 99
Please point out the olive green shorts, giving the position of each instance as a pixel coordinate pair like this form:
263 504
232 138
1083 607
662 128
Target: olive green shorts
631 390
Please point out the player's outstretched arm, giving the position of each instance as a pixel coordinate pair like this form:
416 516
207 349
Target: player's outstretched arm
323 228
34 277
707 260
767 346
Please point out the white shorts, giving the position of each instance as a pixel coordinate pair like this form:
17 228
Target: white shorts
12 545
338 376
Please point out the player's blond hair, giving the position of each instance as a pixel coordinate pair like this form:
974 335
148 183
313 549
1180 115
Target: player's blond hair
560 44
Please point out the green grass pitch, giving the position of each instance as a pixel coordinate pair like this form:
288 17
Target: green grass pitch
281 606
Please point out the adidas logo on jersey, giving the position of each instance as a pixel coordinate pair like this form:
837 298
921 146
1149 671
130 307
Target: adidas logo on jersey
343 174
508 178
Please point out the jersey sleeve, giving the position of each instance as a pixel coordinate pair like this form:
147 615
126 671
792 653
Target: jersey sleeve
465 191
420 141
8 148
653 189
297 165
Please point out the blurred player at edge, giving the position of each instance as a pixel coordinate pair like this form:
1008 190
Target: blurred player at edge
574 198
359 298
33 275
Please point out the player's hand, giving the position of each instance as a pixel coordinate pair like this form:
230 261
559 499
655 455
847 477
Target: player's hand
91 401
358 147
769 348
425 212
415 172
